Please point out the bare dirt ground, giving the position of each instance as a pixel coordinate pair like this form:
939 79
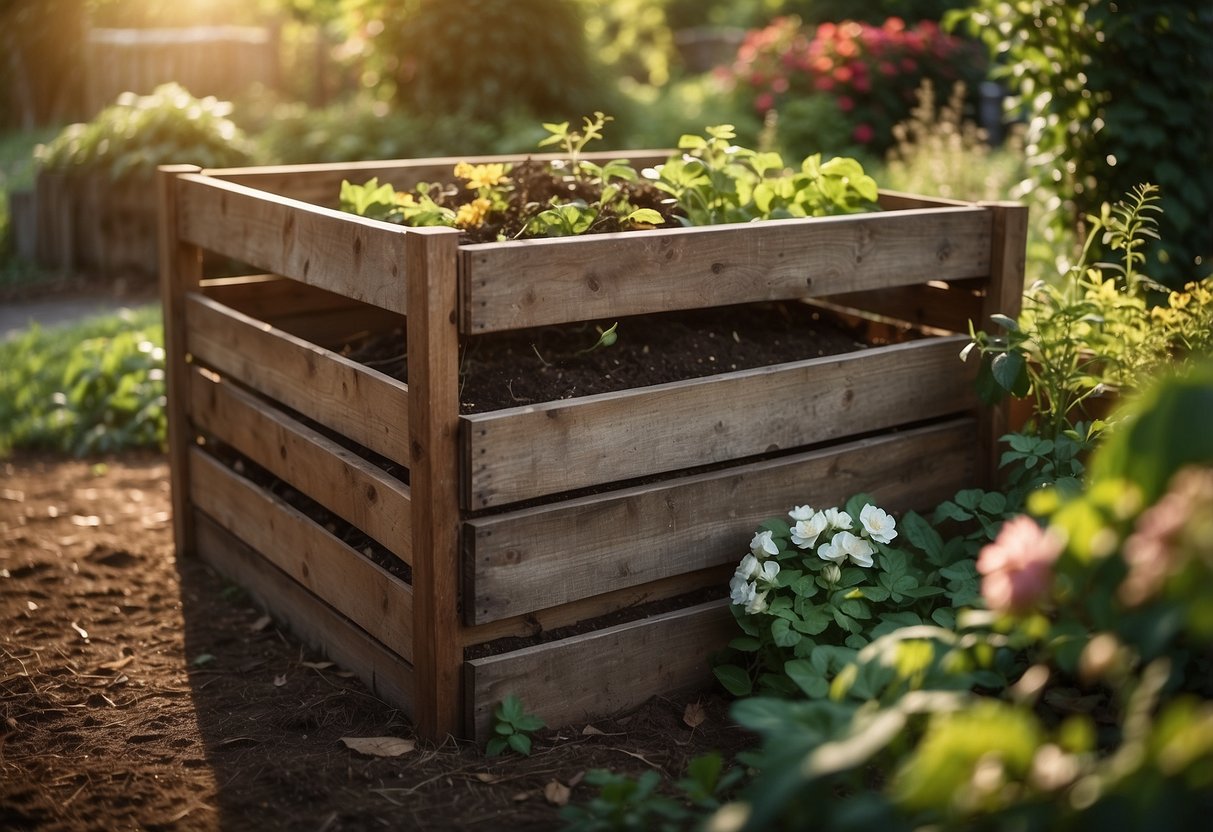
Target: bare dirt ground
142 692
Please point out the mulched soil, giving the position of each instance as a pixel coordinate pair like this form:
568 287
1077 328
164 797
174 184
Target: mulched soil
142 692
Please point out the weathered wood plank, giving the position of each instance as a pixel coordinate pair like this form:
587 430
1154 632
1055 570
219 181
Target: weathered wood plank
362 591
553 618
901 201
587 676
180 273
320 184
367 406
621 539
434 469
337 478
385 674
1008 256
944 306
526 452
343 253
536 282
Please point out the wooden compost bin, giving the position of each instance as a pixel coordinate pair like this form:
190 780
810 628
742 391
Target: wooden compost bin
528 520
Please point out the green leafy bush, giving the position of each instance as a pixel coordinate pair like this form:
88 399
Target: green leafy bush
130 138
814 593
1116 93
481 57
96 387
1097 329
1101 617
363 128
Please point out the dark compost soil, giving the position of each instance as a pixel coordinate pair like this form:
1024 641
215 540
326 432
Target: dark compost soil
138 691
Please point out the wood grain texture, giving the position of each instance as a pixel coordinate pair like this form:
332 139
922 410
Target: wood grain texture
385 674
433 347
537 282
320 184
362 591
531 451
553 618
584 677
344 396
623 539
337 478
1008 256
180 274
947 307
343 253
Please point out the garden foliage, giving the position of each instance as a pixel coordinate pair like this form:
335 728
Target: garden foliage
482 57
1115 93
130 138
868 74
97 387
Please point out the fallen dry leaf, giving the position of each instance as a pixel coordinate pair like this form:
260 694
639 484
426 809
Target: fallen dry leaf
260 624
485 777
575 779
556 793
317 665
280 680
116 664
380 746
694 715
521 796
591 731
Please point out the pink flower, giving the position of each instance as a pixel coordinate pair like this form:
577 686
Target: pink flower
861 83
887 68
863 133
846 103
843 74
779 85
894 24
764 102
1017 568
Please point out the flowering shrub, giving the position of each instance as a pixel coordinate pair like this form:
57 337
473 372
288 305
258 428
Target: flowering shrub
812 593
1100 628
870 72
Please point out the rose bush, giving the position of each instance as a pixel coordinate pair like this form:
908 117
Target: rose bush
869 73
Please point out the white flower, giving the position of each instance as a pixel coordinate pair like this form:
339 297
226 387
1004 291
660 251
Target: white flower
837 519
833 551
745 593
763 542
740 590
879 525
770 572
856 548
757 604
806 531
748 568
799 513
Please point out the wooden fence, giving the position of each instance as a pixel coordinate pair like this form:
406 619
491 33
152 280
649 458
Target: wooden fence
207 60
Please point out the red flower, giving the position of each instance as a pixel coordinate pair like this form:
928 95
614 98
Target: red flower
863 133
764 102
846 103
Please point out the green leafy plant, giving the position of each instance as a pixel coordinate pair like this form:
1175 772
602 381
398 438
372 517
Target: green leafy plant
512 728
626 804
130 138
1100 618
1096 330
1110 90
96 387
715 181
810 595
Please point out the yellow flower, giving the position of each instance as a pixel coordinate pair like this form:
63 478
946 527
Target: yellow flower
472 213
481 176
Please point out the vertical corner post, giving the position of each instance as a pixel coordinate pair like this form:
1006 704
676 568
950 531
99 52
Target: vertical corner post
180 272
433 348
1008 255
